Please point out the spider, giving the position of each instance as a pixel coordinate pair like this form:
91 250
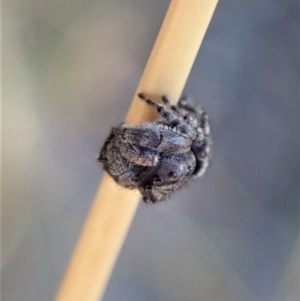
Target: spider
159 157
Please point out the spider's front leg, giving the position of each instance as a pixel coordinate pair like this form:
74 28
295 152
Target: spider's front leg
116 165
149 139
167 114
171 114
138 155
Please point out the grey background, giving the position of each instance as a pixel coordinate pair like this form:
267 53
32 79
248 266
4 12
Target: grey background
70 69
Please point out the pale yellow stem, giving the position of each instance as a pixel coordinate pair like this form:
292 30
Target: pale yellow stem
113 209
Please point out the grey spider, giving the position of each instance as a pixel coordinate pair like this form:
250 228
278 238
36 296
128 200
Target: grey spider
159 157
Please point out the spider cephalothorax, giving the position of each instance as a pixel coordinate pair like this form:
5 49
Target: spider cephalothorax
159 157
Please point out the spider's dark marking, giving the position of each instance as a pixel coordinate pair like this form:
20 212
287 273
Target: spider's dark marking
159 157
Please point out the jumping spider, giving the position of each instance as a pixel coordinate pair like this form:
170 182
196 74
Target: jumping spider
159 157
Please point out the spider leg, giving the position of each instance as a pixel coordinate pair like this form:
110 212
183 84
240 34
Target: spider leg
118 167
204 124
201 167
154 137
138 155
187 104
161 110
169 104
182 113
170 116
201 146
145 135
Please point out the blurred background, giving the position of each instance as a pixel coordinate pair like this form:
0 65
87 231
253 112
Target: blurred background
70 69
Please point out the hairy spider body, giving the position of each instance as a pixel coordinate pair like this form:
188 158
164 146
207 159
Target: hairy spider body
159 157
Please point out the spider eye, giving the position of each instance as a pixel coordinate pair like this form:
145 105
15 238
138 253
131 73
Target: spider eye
172 174
156 179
